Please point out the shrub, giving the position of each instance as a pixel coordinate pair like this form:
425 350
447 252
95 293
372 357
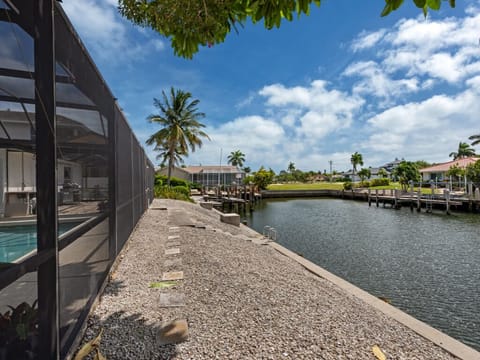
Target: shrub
166 192
380 182
248 179
182 189
263 177
347 185
162 180
158 180
364 184
196 186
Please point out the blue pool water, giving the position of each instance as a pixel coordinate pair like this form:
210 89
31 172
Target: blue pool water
18 240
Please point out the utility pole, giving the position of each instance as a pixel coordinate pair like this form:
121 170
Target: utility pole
219 173
331 175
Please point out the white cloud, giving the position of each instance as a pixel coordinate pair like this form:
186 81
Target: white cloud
259 138
290 117
445 49
106 34
422 33
366 40
246 101
314 97
375 81
297 121
315 126
428 130
315 110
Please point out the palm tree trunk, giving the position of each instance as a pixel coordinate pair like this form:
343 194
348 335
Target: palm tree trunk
170 164
170 168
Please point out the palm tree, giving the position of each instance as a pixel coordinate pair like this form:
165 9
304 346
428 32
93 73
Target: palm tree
291 167
236 158
382 173
476 139
247 169
464 150
164 154
180 129
364 173
356 159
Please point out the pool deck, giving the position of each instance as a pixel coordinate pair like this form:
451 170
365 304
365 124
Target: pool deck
244 298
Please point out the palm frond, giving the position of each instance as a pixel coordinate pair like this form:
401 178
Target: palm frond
180 126
476 139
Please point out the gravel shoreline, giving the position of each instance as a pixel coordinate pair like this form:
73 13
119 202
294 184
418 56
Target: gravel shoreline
242 300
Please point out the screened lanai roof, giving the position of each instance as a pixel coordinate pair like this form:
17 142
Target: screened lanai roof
84 102
211 169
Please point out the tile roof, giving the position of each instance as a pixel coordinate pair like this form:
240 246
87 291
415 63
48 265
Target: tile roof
212 169
461 163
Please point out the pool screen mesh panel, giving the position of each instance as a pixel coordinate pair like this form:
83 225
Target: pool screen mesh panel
104 178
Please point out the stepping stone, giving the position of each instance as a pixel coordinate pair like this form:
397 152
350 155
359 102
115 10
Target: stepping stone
173 251
173 262
174 244
233 219
172 275
172 237
206 205
242 237
174 332
180 218
261 242
172 299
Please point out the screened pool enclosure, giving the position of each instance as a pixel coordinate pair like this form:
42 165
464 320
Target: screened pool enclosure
74 180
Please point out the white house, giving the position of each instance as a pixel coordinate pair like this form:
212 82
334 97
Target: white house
207 175
438 172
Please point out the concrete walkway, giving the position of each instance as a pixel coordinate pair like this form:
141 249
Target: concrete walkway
235 297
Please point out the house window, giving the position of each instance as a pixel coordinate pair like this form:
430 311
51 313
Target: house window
67 174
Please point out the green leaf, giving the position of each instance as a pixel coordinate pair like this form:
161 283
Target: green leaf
386 10
434 4
420 3
162 284
22 331
396 4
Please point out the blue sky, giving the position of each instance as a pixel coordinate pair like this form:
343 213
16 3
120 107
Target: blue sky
319 88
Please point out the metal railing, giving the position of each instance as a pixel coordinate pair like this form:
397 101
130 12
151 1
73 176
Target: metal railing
270 232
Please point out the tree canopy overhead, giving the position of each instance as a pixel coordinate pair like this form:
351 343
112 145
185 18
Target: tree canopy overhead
189 24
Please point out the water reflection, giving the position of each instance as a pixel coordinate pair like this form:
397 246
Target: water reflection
427 264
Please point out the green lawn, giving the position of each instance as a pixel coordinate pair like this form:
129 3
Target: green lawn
334 186
301 186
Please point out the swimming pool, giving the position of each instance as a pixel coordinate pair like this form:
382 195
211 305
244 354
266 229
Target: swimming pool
18 240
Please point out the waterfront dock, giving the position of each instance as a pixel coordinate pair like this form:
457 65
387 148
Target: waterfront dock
417 200
243 297
394 198
239 199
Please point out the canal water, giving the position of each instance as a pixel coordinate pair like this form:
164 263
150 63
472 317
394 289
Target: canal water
428 265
